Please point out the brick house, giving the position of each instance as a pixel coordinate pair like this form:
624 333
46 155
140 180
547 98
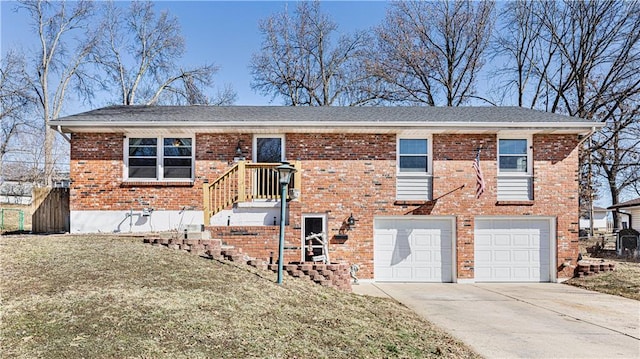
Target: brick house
394 189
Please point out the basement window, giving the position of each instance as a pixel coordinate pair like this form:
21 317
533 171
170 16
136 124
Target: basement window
159 158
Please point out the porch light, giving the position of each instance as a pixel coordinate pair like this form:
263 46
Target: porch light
285 170
238 150
351 221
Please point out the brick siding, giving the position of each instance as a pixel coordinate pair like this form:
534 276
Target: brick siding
344 174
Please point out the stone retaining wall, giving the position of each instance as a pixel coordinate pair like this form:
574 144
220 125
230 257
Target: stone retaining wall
329 275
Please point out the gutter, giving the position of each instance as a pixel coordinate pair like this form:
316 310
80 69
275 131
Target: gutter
64 135
586 137
628 215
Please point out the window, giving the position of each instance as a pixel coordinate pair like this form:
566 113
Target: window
143 157
159 158
513 156
268 149
177 158
514 181
413 155
414 180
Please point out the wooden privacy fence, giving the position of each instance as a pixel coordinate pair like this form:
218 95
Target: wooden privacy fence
50 210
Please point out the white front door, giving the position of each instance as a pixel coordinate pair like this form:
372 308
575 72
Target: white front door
413 249
515 249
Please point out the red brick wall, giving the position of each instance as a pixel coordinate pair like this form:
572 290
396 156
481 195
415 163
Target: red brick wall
344 174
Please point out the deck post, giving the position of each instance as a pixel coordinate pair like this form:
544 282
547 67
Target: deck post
205 201
241 182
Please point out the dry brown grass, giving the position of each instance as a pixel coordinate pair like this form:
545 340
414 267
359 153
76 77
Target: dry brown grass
66 296
624 281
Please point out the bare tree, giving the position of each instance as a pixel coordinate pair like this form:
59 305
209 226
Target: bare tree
140 56
523 55
616 152
582 58
431 52
300 63
15 102
59 64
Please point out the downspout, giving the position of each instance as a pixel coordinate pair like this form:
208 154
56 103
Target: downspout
64 135
628 215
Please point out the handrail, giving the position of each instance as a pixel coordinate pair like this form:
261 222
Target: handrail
243 182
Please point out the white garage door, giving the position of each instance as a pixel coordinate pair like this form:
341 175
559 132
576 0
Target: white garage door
512 250
417 249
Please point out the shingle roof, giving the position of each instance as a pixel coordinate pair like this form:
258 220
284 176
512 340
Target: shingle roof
631 203
320 119
326 113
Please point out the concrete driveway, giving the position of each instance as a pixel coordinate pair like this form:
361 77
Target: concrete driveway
540 320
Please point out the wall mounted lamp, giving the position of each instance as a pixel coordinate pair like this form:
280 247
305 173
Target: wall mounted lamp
238 156
351 222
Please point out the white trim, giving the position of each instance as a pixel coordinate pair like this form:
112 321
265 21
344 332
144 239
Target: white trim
529 153
254 145
326 126
429 154
553 242
159 159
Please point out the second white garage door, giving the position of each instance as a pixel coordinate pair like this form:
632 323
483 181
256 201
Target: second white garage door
516 249
413 249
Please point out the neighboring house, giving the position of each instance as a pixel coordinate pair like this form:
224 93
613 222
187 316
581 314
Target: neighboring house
600 220
15 192
629 212
405 175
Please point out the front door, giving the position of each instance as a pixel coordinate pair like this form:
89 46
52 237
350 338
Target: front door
313 224
267 149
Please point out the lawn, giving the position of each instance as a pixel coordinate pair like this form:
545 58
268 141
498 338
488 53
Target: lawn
65 296
623 281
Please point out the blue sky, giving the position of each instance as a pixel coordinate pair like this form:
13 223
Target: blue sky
223 32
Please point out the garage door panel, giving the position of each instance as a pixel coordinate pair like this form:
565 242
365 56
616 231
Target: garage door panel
500 273
523 240
385 239
512 249
502 256
421 256
524 256
482 257
483 239
413 249
523 274
501 240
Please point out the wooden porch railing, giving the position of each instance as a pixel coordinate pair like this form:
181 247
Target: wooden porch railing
244 182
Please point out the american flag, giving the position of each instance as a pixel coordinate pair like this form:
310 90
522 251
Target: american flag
479 177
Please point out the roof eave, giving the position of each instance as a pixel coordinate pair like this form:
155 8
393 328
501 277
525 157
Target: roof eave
325 126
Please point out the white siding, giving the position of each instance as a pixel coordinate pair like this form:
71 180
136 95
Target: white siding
635 218
414 187
514 188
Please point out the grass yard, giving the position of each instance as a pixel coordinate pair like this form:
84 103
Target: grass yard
65 296
624 281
